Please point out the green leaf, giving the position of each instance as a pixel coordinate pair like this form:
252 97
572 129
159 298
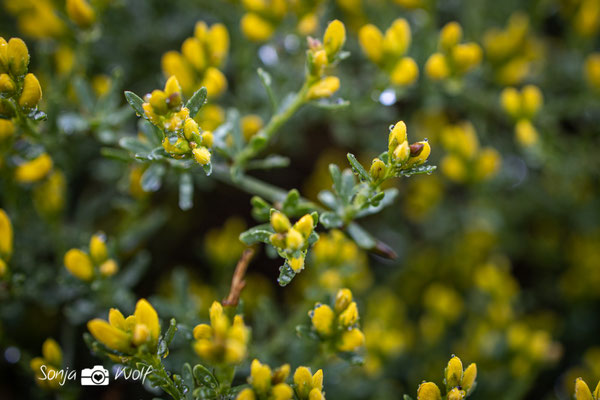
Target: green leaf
336 177
330 220
358 168
291 202
331 104
328 198
204 377
346 189
265 79
135 102
152 178
196 102
170 333
362 238
151 132
286 274
260 233
261 210
421 169
272 161
115 154
186 191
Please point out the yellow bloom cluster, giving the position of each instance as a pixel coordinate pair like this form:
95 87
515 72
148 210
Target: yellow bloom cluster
199 62
453 58
338 325
267 384
51 359
308 386
522 107
582 391
86 266
38 19
139 331
388 51
592 70
401 155
511 51
223 342
6 242
321 56
466 161
291 239
183 138
263 16
459 383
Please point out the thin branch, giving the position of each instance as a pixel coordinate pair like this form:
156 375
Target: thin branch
237 282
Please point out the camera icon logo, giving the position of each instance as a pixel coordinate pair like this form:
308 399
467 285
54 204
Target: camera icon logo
96 376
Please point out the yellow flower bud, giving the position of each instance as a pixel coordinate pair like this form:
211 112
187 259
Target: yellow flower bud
294 239
371 42
317 380
351 340
6 236
179 147
141 334
173 92
525 133
32 92
349 316
303 381
334 38
34 170
250 124
454 372
467 56
80 12
260 377
405 72
52 353
7 86
436 67
343 299
98 249
420 154
401 153
146 314
450 35
324 88
192 50
469 377
110 336
7 128
487 164
597 391
297 264
428 391
207 139
377 170
305 225
256 28
280 222
315 394
592 70
17 57
79 264
174 64
531 100
322 319
202 331
3 268
277 240
456 394
282 391
218 42
582 391
511 101
397 135
158 101
3 55
281 374
319 62
246 394
201 155
308 24
397 38
454 168
190 129
109 268
214 81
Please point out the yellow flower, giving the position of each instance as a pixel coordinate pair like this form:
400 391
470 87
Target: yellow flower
98 249
405 72
326 87
454 168
308 386
6 236
7 128
32 92
322 319
419 152
397 38
201 155
7 86
582 391
436 67
467 56
79 264
52 360
34 170
377 169
334 38
454 372
450 35
250 124
351 340
80 12
525 133
125 334
428 391
256 28
371 42
16 57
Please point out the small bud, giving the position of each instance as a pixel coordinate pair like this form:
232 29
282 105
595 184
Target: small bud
371 42
467 56
201 155
7 86
315 394
7 128
428 391
98 249
214 81
450 35
377 170
511 101
294 240
6 236
202 331
178 147
319 62
250 124
52 353
436 67
305 225
109 268
280 222
208 139
582 391
349 316
397 38
32 92
246 394
218 42
192 50
324 88
191 131
456 394
256 28
454 372
79 264
34 170
322 319
80 12
469 377
525 133
303 382
351 340
141 334
297 264
260 377
419 152
405 72
532 100
17 57
334 38
397 136
401 153
277 240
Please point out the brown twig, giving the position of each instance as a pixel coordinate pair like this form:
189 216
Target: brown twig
237 282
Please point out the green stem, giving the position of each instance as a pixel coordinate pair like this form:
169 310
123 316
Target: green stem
272 127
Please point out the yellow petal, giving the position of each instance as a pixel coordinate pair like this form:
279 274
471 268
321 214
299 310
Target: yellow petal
52 352
79 264
6 235
108 335
146 314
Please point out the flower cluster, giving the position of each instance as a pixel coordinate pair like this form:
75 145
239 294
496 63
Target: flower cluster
453 58
199 62
400 155
320 57
459 384
292 241
583 392
52 360
267 384
223 342
388 51
182 135
338 326
86 266
136 333
6 242
308 386
522 107
466 161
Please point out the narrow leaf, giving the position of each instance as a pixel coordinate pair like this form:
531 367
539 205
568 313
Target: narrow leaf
196 102
358 168
135 102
